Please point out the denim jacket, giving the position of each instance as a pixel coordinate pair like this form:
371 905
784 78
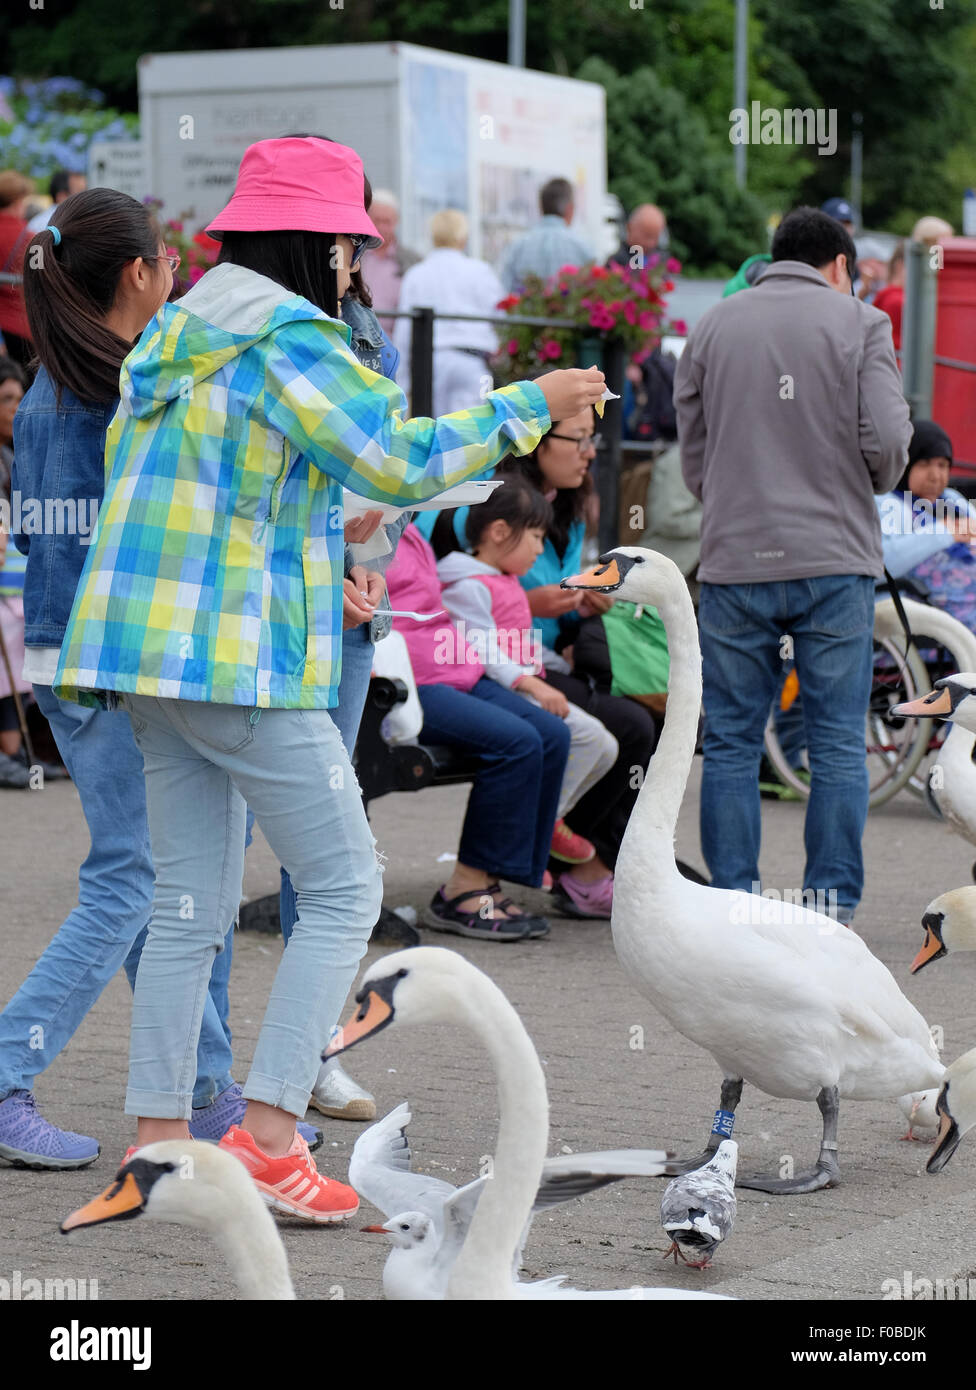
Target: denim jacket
374 350
57 484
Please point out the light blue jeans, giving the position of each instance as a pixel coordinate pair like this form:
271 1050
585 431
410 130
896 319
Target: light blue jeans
108 927
831 621
357 663
204 764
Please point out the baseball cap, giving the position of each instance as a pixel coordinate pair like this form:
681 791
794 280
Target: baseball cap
839 209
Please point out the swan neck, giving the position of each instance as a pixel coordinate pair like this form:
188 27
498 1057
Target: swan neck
483 1269
655 814
254 1251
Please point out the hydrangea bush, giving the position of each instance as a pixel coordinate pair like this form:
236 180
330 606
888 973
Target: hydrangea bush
48 124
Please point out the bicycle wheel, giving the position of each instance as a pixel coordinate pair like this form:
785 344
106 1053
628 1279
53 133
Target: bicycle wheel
894 747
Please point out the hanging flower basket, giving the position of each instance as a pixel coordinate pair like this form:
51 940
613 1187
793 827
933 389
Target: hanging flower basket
605 302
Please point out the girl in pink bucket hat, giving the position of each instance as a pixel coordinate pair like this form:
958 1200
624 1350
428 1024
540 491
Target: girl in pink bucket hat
211 608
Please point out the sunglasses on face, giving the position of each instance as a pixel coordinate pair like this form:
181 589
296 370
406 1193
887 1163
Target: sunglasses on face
359 245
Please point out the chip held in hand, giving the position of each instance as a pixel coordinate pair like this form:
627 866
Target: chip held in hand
607 396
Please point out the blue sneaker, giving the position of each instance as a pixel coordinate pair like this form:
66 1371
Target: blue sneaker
27 1140
211 1122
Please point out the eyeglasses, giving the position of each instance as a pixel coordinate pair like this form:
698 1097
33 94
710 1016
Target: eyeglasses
172 259
589 441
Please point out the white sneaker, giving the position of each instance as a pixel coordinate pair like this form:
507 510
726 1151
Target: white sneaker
336 1094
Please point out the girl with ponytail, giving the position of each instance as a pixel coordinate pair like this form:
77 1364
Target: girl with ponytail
93 280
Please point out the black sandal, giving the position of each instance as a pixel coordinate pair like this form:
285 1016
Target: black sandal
536 924
445 914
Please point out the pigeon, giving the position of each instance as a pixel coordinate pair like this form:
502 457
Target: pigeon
698 1208
918 1107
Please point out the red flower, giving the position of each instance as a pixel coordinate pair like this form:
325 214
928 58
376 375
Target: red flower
680 327
646 321
512 346
600 272
630 312
568 270
673 266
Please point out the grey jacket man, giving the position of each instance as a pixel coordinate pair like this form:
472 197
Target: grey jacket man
790 418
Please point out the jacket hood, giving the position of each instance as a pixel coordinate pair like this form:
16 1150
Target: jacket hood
227 311
457 564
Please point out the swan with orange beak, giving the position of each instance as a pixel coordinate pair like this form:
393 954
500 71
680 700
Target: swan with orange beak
953 698
782 997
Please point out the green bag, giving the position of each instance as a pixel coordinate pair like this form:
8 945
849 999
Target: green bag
638 646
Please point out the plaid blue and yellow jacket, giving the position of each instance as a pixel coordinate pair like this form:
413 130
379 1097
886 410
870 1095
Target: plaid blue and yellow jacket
216 571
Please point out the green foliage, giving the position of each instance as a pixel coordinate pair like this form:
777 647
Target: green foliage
671 158
667 68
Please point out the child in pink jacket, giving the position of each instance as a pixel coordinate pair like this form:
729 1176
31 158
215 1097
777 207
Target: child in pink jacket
482 591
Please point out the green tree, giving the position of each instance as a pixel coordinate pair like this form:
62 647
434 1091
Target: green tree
660 150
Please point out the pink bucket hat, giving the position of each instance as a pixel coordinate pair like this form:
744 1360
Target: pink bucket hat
298 184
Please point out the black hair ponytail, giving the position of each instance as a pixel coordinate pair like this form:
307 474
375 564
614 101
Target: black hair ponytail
70 287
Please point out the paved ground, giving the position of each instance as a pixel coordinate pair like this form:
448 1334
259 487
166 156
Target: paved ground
886 1218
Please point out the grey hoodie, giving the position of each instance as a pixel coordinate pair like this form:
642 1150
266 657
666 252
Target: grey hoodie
790 417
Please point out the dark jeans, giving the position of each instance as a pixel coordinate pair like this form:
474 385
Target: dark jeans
523 750
831 621
602 814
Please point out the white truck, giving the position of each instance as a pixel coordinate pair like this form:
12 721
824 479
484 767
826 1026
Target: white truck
438 129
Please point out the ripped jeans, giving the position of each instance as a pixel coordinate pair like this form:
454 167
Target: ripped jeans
205 763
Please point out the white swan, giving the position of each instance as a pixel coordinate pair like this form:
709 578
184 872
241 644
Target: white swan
195 1184
956 1108
429 1217
952 776
428 984
782 997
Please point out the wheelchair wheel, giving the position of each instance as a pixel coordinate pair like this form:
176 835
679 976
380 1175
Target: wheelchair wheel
894 746
945 646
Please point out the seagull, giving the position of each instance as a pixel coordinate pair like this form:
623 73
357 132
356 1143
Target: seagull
918 1107
430 1217
698 1208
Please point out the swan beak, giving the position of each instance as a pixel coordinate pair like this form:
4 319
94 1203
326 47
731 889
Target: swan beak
374 1013
949 1136
603 577
119 1202
938 703
932 949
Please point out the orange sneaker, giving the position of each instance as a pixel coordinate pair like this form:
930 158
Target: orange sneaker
292 1183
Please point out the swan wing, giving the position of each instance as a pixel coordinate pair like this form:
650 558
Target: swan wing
380 1170
573 1175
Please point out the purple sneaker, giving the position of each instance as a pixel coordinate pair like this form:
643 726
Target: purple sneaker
27 1140
211 1122
587 900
